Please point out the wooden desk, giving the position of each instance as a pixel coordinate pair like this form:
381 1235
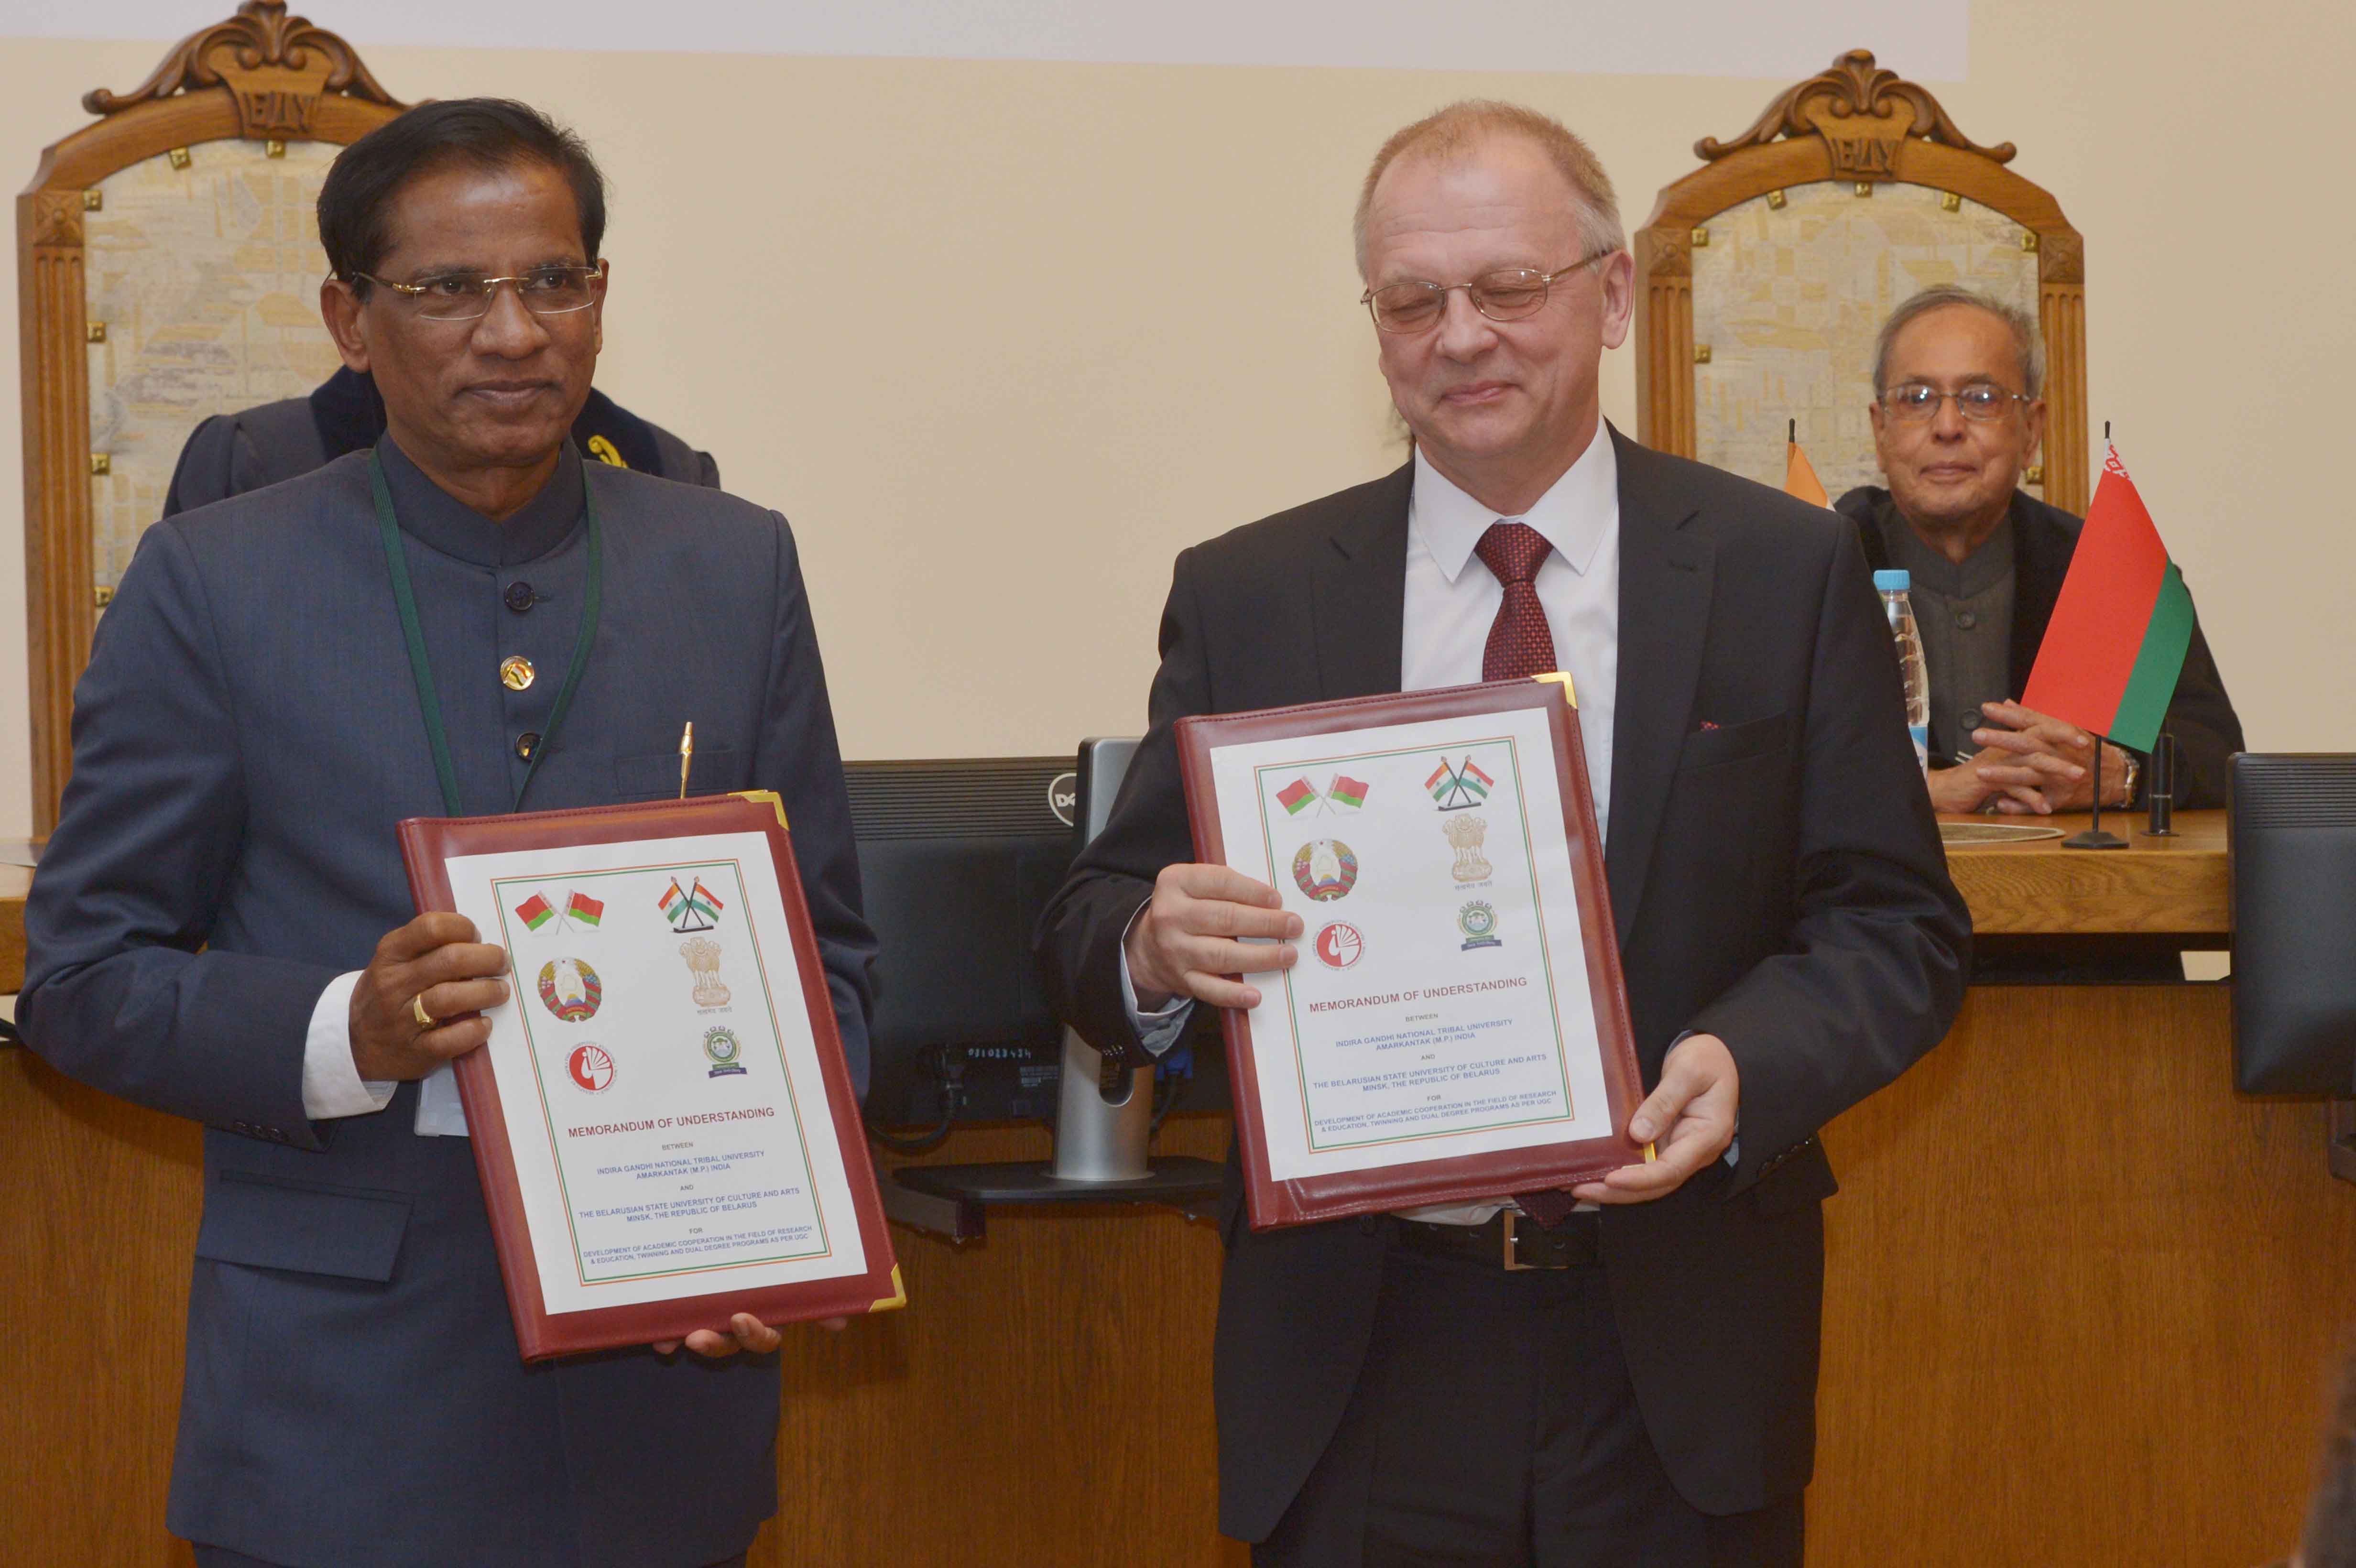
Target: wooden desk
14 882
2109 1347
2179 886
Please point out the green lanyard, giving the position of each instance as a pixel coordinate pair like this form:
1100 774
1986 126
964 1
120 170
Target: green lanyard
420 666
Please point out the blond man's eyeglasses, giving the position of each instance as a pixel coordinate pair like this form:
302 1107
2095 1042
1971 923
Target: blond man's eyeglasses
1509 294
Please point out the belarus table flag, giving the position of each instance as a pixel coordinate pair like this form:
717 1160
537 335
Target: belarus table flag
2116 641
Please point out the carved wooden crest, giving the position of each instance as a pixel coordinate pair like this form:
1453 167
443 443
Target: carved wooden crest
276 67
1863 113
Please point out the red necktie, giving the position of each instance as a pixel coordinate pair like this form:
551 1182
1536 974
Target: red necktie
1521 645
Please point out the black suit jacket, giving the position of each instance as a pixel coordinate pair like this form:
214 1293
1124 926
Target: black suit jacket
1776 879
2201 716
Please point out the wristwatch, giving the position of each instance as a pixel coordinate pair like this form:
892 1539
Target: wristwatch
2135 771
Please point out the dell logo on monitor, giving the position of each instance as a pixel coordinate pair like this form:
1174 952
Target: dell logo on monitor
1063 796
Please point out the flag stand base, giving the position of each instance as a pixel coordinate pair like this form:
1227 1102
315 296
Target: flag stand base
2095 838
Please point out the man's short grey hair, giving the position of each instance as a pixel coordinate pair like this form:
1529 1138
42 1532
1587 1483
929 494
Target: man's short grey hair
1459 129
1938 297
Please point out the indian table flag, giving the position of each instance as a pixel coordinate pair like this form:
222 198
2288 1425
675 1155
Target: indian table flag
585 909
2115 643
535 911
1800 476
1295 797
1347 791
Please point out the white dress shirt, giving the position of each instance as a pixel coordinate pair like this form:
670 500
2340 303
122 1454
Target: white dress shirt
332 1085
1451 602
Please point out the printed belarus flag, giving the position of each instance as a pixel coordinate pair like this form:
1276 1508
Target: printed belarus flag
1347 791
2115 643
585 909
1295 797
535 911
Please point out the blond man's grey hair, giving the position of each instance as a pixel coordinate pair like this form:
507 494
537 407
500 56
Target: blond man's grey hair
1455 130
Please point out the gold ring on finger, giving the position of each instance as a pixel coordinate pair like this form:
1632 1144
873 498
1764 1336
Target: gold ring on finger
417 1011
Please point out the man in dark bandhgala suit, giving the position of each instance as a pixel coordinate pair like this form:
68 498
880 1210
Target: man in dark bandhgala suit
1634 1383
221 927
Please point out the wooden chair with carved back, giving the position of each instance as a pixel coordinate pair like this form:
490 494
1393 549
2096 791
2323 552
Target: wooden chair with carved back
168 265
1766 273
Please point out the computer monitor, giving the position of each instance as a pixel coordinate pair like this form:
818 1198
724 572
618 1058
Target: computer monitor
956 858
2294 853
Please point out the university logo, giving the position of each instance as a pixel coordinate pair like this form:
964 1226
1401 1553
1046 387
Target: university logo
1466 835
1339 946
591 1068
570 989
721 1047
1478 921
1325 869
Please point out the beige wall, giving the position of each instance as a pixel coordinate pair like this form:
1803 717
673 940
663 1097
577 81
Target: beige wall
1001 338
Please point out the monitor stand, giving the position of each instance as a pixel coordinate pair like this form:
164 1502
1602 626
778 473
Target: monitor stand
1103 1121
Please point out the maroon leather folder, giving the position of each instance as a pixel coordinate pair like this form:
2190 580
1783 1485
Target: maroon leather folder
1463 1177
426 845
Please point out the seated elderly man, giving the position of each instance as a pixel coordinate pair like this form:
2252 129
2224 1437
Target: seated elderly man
1957 417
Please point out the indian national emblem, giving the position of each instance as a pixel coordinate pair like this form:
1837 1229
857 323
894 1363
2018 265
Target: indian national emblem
1325 869
1466 833
702 956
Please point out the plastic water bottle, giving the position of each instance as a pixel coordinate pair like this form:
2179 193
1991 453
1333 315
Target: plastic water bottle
1899 608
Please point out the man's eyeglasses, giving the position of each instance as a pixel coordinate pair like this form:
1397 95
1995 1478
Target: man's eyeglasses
1507 294
467 297
1916 403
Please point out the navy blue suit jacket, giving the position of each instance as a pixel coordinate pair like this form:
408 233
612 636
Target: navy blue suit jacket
245 738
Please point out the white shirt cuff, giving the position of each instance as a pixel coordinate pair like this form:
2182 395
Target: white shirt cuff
1157 1032
332 1086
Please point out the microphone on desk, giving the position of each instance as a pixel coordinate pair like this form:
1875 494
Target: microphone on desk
2161 792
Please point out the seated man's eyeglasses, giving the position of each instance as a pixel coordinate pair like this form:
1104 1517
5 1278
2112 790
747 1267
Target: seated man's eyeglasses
467 297
1507 294
1915 402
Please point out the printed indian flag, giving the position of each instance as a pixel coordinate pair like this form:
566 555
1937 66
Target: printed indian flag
1443 780
1474 779
2115 643
1295 797
585 909
704 900
1347 791
535 911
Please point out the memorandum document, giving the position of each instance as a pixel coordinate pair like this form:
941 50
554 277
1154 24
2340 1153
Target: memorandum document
662 1118
1456 1026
